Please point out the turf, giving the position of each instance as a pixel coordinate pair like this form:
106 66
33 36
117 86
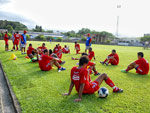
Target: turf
41 92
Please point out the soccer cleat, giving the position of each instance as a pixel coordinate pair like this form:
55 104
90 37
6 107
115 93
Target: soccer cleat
117 90
106 64
102 63
72 58
124 71
24 52
97 74
61 69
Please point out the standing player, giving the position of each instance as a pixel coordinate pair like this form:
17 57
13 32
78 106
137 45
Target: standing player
91 54
88 42
112 59
16 41
23 42
46 62
141 65
77 47
79 79
6 41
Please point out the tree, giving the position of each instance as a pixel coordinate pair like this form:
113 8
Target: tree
145 38
9 28
40 37
49 37
28 37
49 31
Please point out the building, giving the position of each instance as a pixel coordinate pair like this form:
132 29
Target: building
3 30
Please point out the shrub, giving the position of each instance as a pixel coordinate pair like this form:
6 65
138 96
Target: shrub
108 41
83 39
59 39
40 37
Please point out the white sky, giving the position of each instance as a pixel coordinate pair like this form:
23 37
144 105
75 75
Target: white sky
97 15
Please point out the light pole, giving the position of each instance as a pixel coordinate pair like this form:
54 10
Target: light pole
117 25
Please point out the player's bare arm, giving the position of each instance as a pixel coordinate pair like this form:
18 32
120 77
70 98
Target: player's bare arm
70 89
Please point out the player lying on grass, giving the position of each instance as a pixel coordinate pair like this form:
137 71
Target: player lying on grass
112 59
79 79
59 55
31 52
77 47
46 62
141 65
90 65
41 48
66 49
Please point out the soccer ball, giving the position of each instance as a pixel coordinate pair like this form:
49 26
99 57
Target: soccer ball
103 92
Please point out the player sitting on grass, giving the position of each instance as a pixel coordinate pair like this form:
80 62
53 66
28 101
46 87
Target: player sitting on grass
31 52
90 66
141 65
66 49
41 48
112 59
77 47
51 54
59 46
56 49
46 62
79 79
91 54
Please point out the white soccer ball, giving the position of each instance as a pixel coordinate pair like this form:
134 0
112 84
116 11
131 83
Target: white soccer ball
103 92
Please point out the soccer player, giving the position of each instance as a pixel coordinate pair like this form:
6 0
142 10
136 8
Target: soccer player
79 79
56 49
6 41
112 59
59 46
42 48
91 54
77 47
90 66
31 52
141 65
46 62
16 41
66 49
88 42
23 42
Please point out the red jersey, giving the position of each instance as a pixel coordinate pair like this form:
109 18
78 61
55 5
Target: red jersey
44 62
143 65
59 54
56 49
80 76
116 62
6 37
42 48
17 37
29 50
77 46
91 55
59 47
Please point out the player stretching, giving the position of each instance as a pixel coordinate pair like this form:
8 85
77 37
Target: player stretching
141 65
77 47
79 79
112 59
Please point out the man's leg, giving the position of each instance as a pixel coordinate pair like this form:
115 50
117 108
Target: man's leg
130 67
108 82
95 71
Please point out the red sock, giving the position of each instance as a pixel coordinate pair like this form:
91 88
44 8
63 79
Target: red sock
110 82
105 60
128 68
59 67
59 61
96 72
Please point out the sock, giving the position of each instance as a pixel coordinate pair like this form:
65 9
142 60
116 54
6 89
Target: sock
59 61
96 72
59 67
17 48
105 60
110 83
128 68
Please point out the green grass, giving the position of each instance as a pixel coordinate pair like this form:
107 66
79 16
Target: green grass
41 92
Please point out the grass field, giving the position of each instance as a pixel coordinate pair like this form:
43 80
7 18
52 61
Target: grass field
41 92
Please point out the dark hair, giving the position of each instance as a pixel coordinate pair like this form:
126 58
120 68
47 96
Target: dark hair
84 54
114 50
90 48
43 44
75 42
50 51
83 60
45 51
17 32
140 54
30 44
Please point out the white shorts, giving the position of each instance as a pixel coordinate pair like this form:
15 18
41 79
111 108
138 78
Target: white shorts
23 45
87 47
